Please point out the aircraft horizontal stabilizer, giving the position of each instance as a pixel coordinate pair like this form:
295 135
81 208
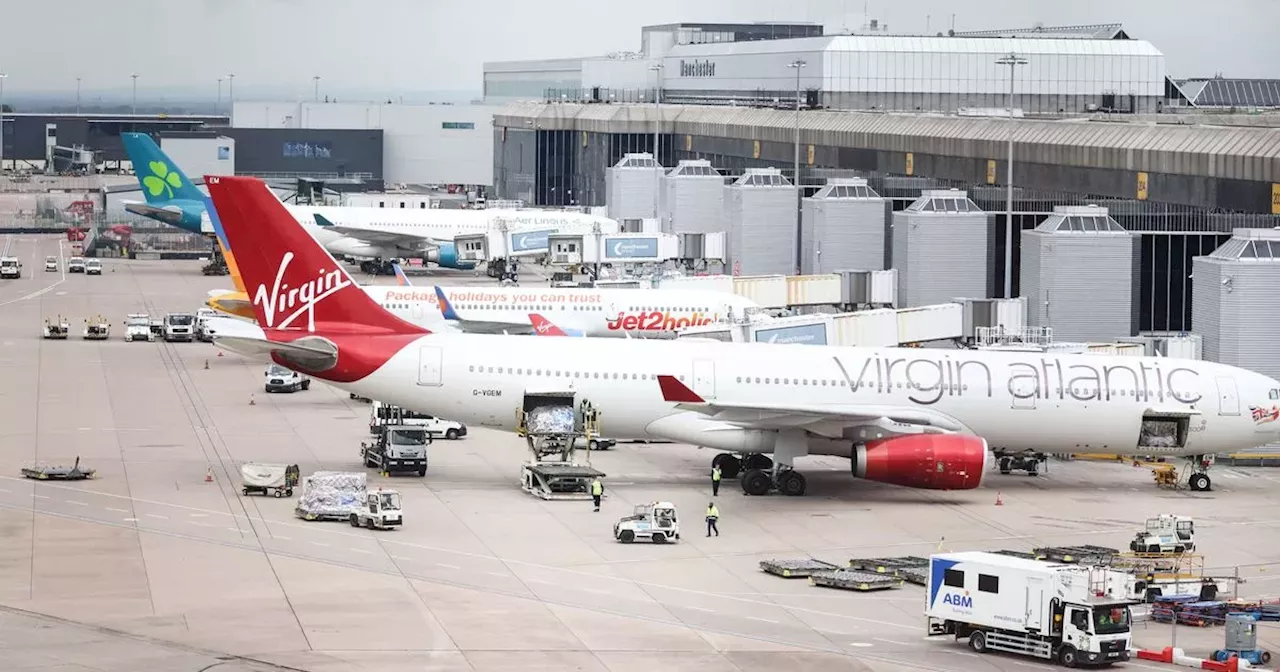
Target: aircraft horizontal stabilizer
402 241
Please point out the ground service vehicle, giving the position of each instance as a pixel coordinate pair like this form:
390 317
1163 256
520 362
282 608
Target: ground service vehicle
202 331
97 328
655 521
75 265
1071 614
10 267
137 327
381 511
331 495
179 327
280 379
56 328
381 414
398 449
93 267
275 480
1166 533
51 264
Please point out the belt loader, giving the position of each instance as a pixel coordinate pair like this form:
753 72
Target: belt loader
1071 614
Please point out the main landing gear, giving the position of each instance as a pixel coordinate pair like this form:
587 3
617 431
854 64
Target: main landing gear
1198 477
761 475
377 267
1027 461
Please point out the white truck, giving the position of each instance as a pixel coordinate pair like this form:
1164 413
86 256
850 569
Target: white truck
10 268
93 267
75 265
51 264
179 327
380 512
655 521
1071 614
383 414
399 449
280 379
1167 533
202 331
137 327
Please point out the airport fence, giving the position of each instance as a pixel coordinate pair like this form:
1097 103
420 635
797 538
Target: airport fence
111 236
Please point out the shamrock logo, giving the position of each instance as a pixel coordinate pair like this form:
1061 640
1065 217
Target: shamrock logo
161 180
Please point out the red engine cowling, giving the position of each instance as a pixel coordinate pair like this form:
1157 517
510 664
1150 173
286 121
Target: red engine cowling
926 461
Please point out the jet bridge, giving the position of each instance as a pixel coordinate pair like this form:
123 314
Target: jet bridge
552 424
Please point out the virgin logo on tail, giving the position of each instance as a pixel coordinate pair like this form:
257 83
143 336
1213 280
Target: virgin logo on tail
301 299
544 327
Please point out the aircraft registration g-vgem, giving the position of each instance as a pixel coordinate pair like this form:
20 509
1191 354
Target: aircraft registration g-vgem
913 417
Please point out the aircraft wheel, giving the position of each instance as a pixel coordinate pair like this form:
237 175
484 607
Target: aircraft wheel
792 483
1199 482
730 465
756 482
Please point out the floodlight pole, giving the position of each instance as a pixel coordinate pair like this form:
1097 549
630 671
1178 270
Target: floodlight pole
1012 60
795 163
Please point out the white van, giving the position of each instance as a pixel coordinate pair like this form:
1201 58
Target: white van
280 379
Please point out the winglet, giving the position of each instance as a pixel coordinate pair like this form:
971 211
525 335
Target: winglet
446 308
676 392
321 220
401 278
544 327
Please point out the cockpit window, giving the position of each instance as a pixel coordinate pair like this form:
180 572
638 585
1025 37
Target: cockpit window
1275 394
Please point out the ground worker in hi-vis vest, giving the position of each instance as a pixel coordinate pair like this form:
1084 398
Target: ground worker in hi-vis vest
715 481
597 491
713 514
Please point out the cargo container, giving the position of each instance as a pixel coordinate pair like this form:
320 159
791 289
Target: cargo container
866 328
768 291
943 321
814 290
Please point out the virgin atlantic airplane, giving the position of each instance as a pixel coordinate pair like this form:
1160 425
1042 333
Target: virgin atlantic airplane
919 418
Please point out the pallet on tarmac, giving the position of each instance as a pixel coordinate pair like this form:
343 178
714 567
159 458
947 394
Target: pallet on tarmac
890 566
1085 555
848 579
796 568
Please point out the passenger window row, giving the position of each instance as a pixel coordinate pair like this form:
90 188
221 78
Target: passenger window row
561 373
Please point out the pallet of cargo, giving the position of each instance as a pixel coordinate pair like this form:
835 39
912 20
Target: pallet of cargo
849 579
1085 555
916 575
889 566
797 568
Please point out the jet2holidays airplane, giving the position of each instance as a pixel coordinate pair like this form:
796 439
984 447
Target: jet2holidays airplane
921 418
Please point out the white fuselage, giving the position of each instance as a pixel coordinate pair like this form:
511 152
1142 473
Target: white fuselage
590 312
424 228
1016 401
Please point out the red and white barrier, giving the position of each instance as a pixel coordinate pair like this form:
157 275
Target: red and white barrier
1176 656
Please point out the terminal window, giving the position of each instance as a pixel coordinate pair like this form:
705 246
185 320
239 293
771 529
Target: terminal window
458 125
308 150
953 578
988 583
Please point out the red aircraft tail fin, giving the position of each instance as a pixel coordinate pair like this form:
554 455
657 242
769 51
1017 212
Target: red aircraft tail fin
544 327
292 281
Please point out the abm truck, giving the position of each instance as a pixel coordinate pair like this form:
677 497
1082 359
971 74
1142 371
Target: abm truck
1071 614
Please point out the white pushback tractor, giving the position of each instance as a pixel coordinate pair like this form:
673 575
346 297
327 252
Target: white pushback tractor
1071 614
1166 533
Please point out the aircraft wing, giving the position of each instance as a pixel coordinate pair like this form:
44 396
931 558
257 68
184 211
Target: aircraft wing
850 420
249 340
384 238
479 326
169 215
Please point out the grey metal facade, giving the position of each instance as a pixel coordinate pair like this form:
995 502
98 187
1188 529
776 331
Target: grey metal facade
1078 276
941 245
1236 306
691 199
759 218
632 187
515 160
23 135
843 227
300 151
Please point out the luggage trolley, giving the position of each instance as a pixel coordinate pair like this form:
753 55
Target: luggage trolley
274 480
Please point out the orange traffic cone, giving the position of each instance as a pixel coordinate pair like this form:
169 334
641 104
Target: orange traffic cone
206 365
999 499
219 353
208 475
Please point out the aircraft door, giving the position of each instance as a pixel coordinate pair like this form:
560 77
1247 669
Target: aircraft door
1228 396
430 365
704 378
1023 392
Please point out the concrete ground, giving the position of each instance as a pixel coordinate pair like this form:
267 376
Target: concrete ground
150 567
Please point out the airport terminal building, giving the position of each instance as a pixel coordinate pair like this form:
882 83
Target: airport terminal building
1098 121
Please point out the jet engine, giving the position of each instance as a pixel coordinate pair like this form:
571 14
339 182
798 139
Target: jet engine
926 461
447 257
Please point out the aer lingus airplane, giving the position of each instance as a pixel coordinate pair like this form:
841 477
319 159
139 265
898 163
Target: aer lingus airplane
923 418
172 198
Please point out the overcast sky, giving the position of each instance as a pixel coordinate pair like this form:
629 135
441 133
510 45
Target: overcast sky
421 45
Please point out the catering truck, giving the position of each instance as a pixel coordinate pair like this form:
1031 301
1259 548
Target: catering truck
1075 615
